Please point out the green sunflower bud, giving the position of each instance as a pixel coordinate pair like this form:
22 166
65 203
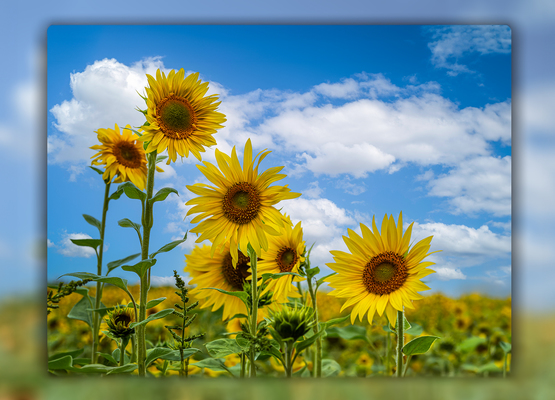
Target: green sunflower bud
118 321
292 323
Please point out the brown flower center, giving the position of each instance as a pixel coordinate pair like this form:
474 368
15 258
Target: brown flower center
125 319
128 155
236 276
385 273
176 117
241 203
286 259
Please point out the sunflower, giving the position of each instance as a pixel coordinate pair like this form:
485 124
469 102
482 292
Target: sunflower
218 272
381 273
180 118
285 254
239 209
122 155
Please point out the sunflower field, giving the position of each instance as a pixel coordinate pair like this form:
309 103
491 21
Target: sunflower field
254 306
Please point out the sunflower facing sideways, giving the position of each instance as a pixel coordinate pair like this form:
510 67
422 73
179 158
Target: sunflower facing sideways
239 208
381 273
218 272
123 156
180 118
284 255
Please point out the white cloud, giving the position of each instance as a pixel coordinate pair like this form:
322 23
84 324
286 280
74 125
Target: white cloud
313 191
454 42
481 184
68 249
461 240
446 274
49 243
166 280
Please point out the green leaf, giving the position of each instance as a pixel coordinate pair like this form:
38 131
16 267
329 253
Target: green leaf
104 369
419 345
489 367
275 353
127 223
81 361
65 362
93 221
113 280
303 344
158 315
242 295
157 352
243 342
97 170
268 276
124 369
114 264
312 272
162 194
141 267
330 368
349 332
223 347
170 246
108 357
175 356
389 328
132 192
155 302
160 159
73 353
81 312
116 354
212 363
116 195
93 243
415 330
506 347
470 344
335 321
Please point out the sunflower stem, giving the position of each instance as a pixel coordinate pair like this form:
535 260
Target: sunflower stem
147 222
124 341
99 286
254 310
400 344
317 364
243 362
505 366
288 358
387 346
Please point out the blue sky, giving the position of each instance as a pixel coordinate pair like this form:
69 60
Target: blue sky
367 120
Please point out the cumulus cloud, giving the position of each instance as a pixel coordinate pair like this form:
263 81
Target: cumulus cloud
446 274
68 249
166 280
481 184
452 43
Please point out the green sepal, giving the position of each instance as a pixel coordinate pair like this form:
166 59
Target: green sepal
419 345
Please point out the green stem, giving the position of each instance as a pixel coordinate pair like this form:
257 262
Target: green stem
254 310
407 365
400 343
99 286
123 345
133 348
243 362
147 221
387 346
317 367
288 359
505 366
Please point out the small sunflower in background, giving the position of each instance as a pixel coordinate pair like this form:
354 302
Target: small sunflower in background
382 272
122 155
180 117
285 254
239 208
119 319
219 272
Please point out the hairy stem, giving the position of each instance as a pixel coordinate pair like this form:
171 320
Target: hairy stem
400 344
254 311
317 367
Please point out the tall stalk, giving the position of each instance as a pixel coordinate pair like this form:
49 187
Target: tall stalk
317 363
254 310
99 286
400 343
147 221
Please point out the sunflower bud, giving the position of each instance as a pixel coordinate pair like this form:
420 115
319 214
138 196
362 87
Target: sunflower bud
292 323
119 320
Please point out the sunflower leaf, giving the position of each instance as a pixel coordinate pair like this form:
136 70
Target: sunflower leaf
349 332
117 194
223 347
132 192
141 267
505 346
335 321
303 344
158 315
268 276
93 243
160 158
162 194
330 368
114 264
212 363
321 280
420 345
93 221
155 302
97 170
72 353
170 246
127 223
242 295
